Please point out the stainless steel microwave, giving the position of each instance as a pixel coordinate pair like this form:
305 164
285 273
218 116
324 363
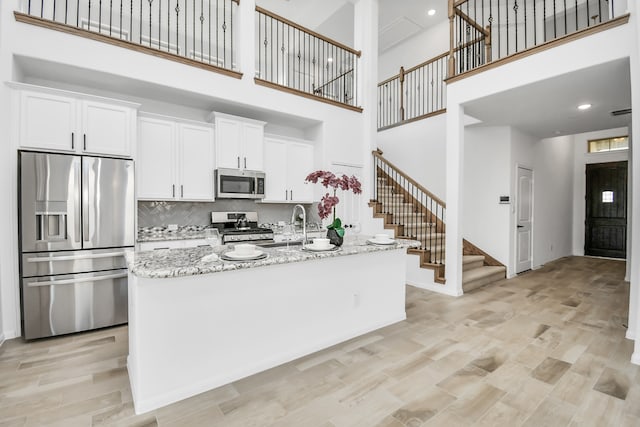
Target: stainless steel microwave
239 184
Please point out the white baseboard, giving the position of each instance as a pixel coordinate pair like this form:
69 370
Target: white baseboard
635 358
630 335
1 339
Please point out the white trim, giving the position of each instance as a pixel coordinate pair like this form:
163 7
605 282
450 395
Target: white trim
635 358
1 339
352 165
440 289
631 333
68 93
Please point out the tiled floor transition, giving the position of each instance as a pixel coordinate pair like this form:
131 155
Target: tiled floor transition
544 349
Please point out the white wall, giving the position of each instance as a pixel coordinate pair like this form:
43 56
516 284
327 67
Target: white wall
419 149
342 131
582 158
487 176
415 50
553 199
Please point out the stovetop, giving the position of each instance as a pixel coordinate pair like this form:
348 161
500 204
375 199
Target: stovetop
245 230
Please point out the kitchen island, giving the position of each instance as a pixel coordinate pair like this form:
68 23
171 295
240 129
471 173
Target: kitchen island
197 324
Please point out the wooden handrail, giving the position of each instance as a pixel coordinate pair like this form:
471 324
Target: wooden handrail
308 31
471 22
415 67
333 80
378 154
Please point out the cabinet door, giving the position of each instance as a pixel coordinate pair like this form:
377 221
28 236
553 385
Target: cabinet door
196 162
155 168
106 128
48 121
228 137
300 164
275 169
253 143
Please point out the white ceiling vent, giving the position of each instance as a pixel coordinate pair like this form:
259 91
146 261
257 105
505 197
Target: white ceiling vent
397 31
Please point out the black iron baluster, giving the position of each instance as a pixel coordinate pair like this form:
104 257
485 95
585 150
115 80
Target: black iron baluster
231 29
177 9
120 24
588 15
88 17
150 20
209 32
185 53
525 23
54 10
555 21
110 15
100 16
576 11
599 10
202 30
544 19
160 24
535 25
515 11
506 5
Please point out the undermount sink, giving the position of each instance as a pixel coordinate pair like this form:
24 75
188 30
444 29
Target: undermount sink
279 244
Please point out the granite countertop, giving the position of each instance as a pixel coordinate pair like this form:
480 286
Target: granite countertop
165 236
166 263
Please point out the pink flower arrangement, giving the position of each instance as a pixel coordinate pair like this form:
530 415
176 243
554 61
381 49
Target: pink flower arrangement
328 202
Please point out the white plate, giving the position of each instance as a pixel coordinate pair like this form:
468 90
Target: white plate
311 247
381 242
237 256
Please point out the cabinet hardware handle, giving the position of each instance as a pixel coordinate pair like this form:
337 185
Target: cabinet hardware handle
84 143
286 195
245 162
238 162
73 143
173 190
181 190
291 191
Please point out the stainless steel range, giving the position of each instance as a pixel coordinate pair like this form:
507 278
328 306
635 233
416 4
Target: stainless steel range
237 227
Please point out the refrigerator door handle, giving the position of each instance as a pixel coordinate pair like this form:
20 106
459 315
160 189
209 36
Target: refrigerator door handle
86 215
75 257
75 281
77 203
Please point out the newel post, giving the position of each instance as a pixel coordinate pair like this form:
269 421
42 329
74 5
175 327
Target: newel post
401 94
452 59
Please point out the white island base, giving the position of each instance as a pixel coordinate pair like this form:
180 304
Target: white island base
194 333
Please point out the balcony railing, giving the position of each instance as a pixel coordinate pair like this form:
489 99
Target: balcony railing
296 59
482 31
198 30
413 94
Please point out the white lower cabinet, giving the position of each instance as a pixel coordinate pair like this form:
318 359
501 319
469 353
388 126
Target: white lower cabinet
286 165
175 160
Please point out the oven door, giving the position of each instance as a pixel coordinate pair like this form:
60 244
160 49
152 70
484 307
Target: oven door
236 185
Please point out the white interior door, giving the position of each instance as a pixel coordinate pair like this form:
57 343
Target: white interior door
524 219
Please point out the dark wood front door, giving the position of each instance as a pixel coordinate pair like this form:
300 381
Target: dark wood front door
606 214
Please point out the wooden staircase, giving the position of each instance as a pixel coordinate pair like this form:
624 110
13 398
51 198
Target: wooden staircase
412 212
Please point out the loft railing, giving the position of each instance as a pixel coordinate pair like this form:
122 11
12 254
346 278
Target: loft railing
420 213
302 61
482 31
415 93
199 30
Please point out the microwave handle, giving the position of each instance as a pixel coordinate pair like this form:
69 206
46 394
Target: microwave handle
253 185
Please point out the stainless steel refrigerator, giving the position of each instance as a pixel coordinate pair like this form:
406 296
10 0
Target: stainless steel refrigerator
76 222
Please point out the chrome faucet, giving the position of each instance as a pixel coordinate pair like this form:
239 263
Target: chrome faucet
304 221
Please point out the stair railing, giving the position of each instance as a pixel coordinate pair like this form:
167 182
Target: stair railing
298 60
198 30
413 94
482 31
415 211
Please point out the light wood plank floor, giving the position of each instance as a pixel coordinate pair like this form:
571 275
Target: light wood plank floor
544 349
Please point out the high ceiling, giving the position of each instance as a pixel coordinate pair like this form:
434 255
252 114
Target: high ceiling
538 110
398 19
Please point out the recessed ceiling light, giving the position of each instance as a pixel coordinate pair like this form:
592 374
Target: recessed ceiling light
329 59
431 12
584 106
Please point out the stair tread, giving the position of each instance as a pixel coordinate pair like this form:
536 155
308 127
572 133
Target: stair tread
481 272
467 259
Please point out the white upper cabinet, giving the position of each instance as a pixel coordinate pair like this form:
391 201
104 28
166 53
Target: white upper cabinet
175 159
239 142
286 165
47 121
156 159
196 162
106 128
56 120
